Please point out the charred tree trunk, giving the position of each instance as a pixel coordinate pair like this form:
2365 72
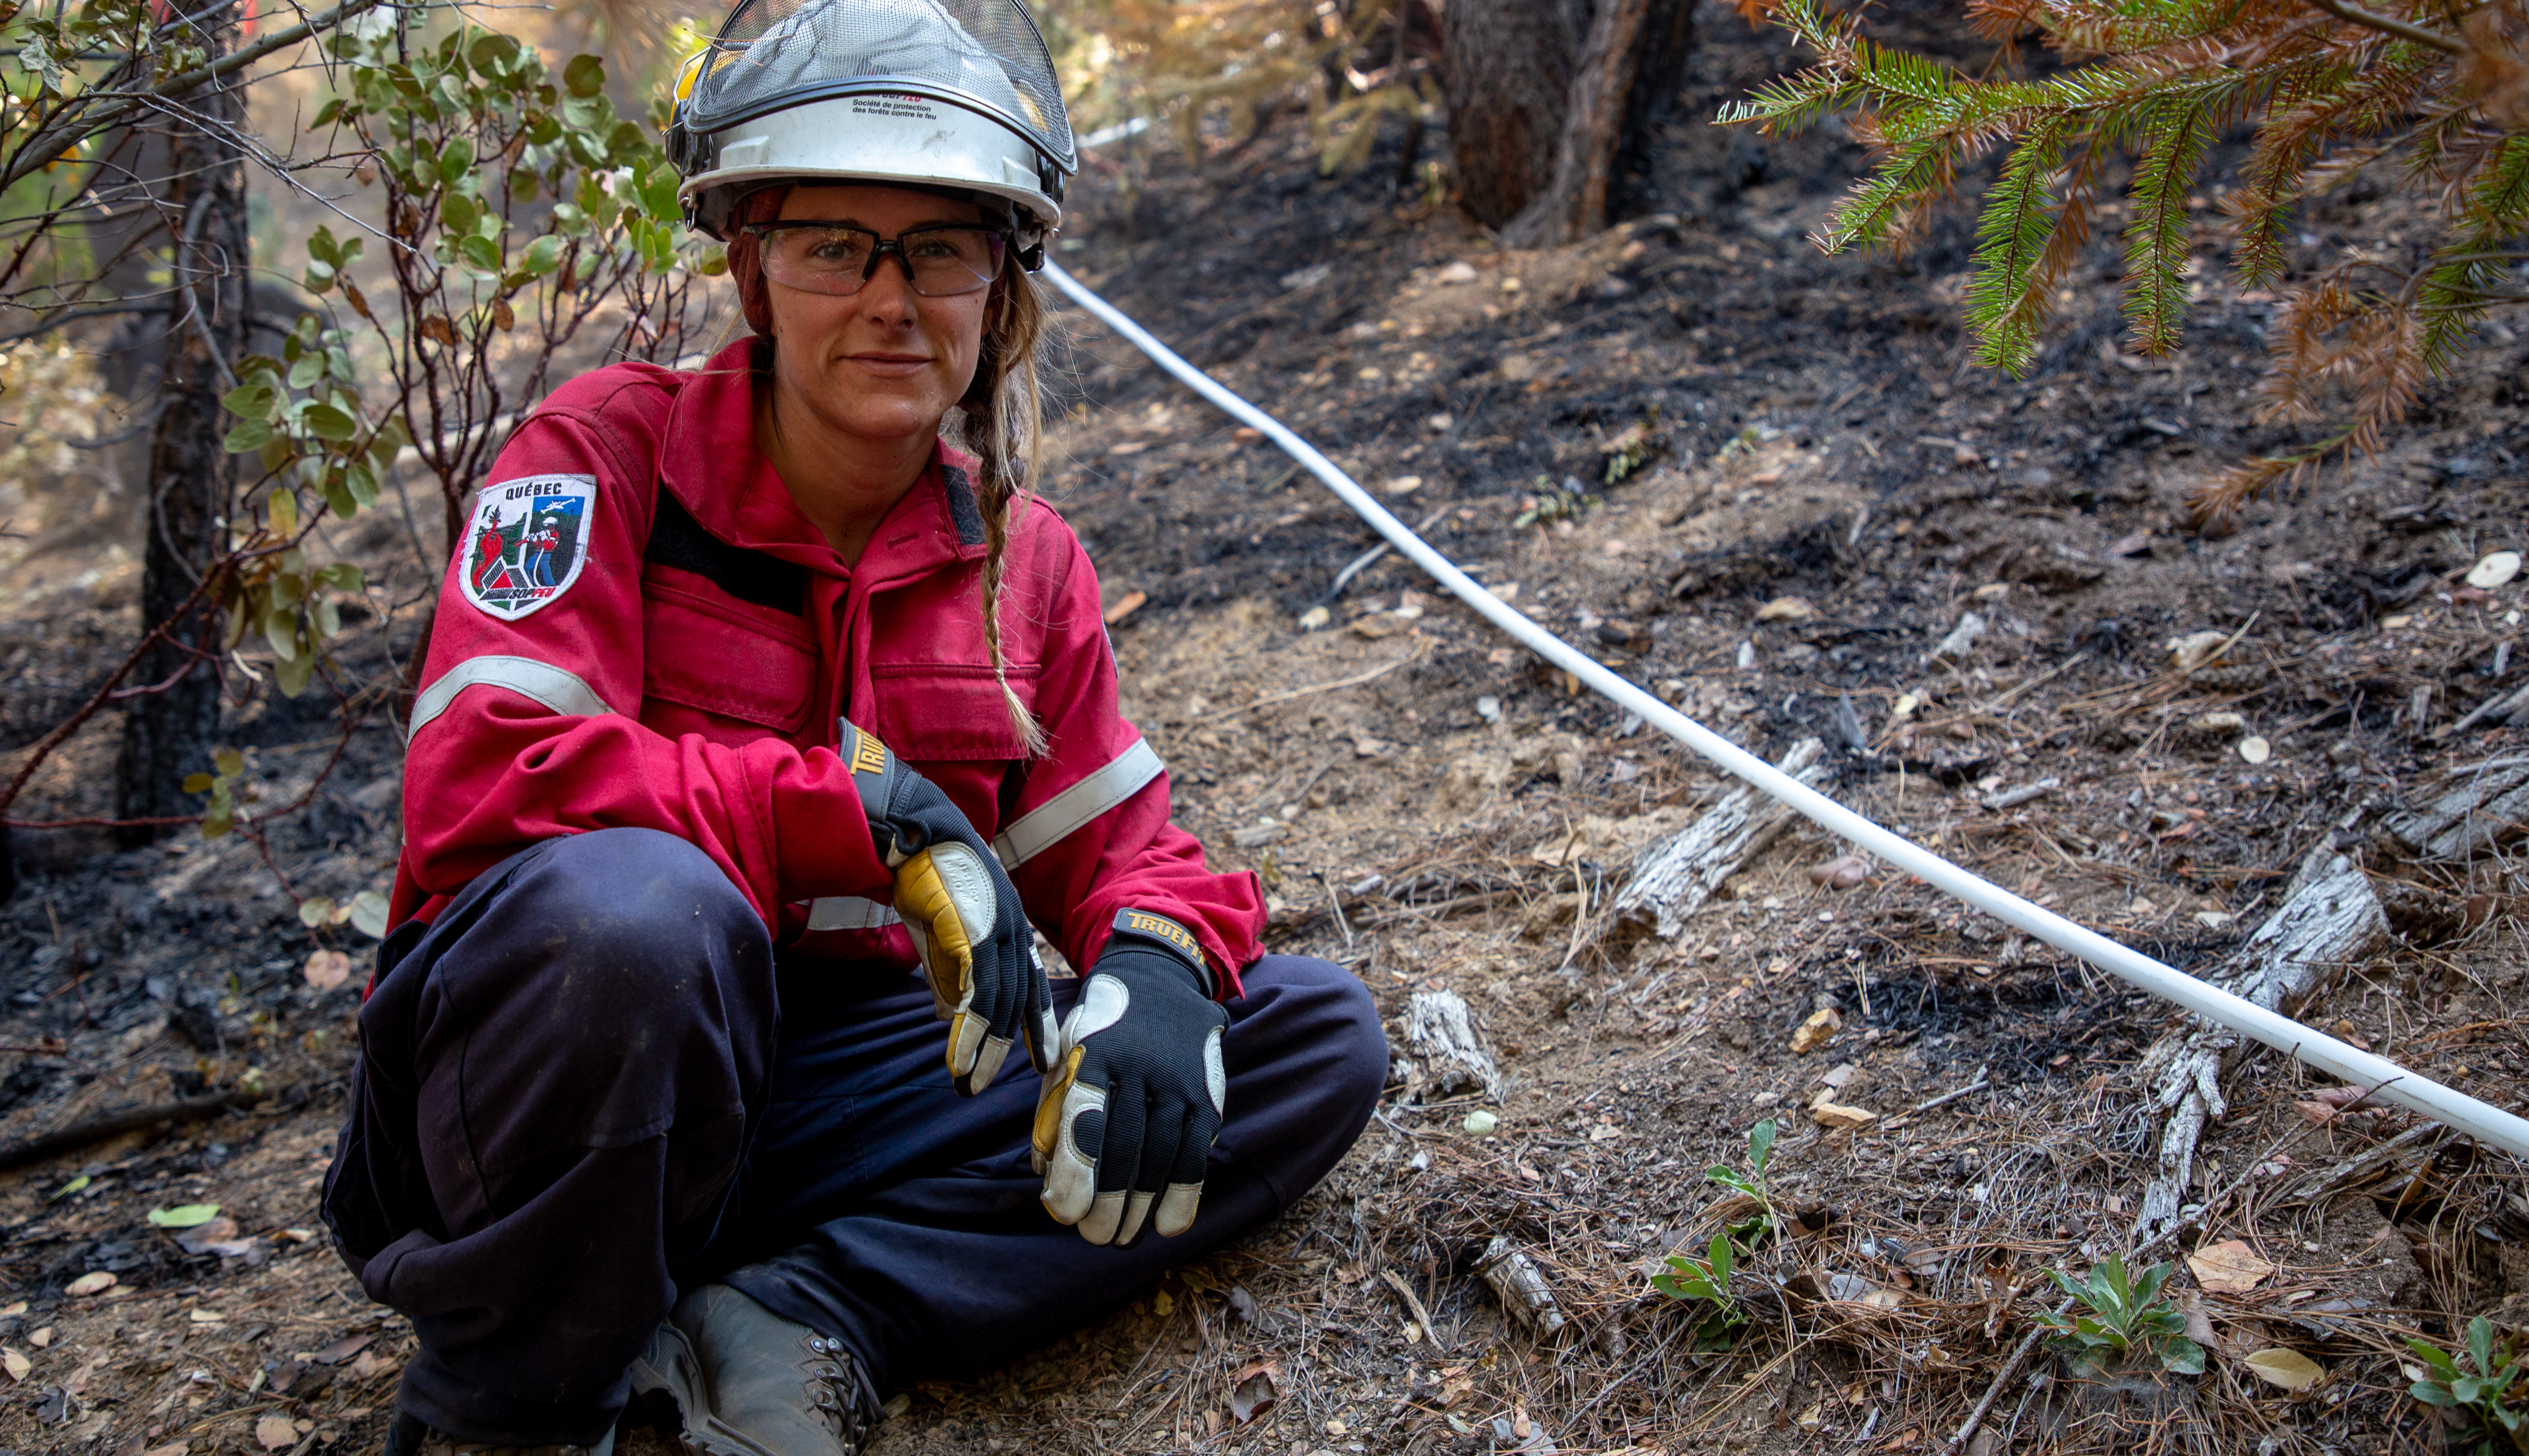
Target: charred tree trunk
1545 98
1509 68
168 730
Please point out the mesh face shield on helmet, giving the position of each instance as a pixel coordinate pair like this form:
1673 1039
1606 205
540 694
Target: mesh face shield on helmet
941 93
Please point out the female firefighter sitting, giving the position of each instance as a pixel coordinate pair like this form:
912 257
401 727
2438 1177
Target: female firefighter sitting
757 726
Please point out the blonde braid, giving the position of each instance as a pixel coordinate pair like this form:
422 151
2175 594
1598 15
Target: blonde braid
1004 428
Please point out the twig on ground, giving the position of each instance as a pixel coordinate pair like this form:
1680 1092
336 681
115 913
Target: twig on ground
1355 681
1334 902
1421 1315
2002 1379
2013 799
1944 1100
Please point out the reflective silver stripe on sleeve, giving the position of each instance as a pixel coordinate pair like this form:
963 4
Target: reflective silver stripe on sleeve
1045 826
557 688
849 912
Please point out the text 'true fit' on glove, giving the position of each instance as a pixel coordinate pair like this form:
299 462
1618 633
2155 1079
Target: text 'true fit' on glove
1128 1117
964 915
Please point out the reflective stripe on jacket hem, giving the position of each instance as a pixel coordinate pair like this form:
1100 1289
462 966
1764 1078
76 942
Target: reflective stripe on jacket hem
558 688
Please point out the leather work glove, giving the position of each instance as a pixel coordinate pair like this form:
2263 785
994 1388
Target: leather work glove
1128 1117
964 915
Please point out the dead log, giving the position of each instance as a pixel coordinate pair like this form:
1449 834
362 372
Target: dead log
1674 877
2329 919
132 1119
2478 809
1442 1033
2502 707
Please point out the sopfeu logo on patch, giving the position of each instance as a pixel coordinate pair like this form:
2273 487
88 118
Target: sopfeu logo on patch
526 543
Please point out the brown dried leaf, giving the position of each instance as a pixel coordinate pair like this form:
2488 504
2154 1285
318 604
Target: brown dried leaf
327 969
343 1349
275 1434
1251 1389
2290 1369
201 1236
2229 1268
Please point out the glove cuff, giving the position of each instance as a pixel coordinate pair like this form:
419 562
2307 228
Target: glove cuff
876 774
1145 927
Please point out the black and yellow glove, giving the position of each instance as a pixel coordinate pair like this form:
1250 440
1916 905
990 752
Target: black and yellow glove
1128 1118
964 915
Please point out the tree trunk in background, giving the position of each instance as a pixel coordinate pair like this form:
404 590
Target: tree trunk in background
168 734
1509 66
1660 51
1545 97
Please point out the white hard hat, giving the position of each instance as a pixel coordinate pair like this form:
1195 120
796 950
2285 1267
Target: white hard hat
956 94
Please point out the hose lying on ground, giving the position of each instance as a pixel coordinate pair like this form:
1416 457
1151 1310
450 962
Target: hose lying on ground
2393 1083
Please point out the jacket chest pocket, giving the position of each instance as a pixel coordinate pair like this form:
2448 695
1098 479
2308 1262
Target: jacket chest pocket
949 712
721 663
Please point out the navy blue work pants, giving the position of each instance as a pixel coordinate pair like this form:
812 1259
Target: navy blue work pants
588 1084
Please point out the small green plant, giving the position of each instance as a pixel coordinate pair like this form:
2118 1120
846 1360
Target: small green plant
1706 1279
2485 1411
1751 1184
1747 441
1565 502
1634 448
2126 1317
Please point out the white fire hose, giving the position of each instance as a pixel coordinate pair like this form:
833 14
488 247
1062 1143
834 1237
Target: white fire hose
2451 1108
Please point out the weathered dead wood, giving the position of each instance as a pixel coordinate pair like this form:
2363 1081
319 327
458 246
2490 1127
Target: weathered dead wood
2419 1141
2501 708
2474 812
2331 921
1674 877
132 1119
1442 1033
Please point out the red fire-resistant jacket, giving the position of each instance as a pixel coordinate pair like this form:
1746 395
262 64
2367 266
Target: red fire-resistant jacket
689 673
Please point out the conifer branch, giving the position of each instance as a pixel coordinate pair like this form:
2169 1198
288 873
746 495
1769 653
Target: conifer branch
2160 81
2389 25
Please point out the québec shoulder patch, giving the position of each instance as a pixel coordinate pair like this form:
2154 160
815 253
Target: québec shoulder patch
527 542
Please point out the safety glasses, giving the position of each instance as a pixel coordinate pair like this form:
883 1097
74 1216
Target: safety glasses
943 260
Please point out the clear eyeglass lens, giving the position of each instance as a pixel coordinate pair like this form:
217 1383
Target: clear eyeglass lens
944 261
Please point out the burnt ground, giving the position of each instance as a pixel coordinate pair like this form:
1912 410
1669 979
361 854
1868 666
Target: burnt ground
1444 814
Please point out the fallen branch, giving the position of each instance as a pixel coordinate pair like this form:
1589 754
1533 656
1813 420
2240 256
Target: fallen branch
132 1119
2424 1139
2013 799
2331 921
2009 1368
1944 1100
2474 811
1355 681
1672 878
1421 1315
2499 708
